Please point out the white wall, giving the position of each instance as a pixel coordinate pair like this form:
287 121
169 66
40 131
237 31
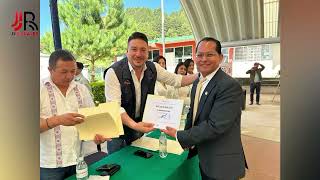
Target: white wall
44 63
272 64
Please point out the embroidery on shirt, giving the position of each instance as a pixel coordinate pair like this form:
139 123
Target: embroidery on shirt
54 111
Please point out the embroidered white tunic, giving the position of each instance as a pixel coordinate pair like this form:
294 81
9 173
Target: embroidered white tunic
59 147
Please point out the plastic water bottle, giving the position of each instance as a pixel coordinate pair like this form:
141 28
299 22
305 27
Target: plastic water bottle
185 112
186 109
81 169
184 116
163 145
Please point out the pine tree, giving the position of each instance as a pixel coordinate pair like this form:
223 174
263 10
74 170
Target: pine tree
93 30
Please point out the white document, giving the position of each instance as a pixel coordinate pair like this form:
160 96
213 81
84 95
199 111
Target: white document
104 119
163 112
98 177
153 144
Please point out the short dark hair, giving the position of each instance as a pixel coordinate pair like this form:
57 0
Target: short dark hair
158 58
187 62
218 44
138 35
80 65
61 54
177 67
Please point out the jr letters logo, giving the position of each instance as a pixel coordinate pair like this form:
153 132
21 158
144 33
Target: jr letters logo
24 24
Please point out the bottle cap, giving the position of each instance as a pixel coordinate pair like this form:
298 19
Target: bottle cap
80 158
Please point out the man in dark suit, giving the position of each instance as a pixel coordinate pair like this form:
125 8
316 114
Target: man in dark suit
213 122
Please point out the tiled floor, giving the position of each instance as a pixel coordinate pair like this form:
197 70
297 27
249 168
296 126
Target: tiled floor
263 158
261 138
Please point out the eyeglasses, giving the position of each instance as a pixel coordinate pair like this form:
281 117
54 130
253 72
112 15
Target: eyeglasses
207 55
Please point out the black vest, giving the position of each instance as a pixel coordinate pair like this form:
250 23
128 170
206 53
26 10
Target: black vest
128 97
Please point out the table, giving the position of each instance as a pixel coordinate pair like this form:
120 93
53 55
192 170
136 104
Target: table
173 167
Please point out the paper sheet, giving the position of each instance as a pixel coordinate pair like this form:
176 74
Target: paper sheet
104 119
97 177
163 112
153 144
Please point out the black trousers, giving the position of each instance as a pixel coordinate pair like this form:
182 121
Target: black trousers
257 87
57 173
205 177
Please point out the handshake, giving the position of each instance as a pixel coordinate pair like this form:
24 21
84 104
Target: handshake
170 131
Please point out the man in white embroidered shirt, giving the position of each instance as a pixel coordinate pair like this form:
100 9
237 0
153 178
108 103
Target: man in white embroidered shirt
60 99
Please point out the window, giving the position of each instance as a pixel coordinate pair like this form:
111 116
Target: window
178 52
253 53
169 50
187 51
150 55
153 54
271 18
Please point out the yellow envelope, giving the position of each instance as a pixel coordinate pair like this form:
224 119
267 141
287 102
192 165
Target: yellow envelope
104 119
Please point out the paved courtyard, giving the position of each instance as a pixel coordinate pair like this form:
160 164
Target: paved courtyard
260 131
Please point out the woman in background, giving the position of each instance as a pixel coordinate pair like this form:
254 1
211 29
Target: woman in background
189 63
160 88
161 61
182 92
181 69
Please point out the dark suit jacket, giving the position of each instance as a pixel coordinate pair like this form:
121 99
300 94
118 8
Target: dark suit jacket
216 131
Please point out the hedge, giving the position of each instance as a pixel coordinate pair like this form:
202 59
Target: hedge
98 91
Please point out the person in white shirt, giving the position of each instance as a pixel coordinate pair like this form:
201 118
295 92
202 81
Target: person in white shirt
129 81
161 89
180 92
80 77
60 99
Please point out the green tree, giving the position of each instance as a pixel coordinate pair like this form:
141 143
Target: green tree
46 43
145 21
148 21
92 30
178 24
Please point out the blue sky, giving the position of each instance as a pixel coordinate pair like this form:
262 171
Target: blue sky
169 6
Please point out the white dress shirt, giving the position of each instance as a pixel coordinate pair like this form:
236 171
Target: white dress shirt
206 82
69 136
161 89
113 90
180 93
